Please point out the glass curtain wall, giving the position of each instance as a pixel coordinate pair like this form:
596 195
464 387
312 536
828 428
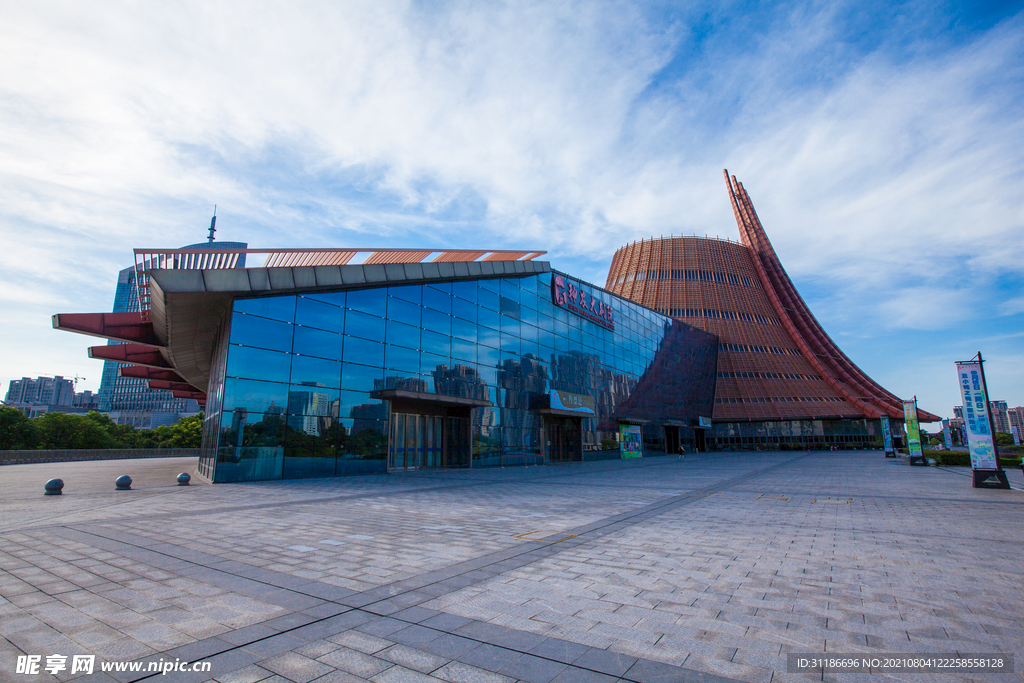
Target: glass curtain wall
301 372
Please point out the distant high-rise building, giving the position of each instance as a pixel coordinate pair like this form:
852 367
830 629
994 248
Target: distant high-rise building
131 394
1000 419
50 391
958 412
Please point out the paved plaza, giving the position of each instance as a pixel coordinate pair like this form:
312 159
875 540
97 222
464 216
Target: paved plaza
705 568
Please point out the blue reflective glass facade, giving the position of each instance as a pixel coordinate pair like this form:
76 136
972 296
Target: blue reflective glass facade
312 384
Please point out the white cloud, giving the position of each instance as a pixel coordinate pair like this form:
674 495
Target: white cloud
576 127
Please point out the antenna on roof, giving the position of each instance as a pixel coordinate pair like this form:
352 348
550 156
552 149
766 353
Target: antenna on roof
213 223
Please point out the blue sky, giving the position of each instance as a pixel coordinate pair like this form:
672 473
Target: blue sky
882 144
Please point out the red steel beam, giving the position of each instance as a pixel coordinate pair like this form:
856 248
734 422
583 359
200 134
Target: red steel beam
126 327
140 372
171 386
196 395
131 354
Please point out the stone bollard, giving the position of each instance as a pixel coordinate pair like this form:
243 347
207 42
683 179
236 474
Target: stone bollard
123 483
184 479
53 487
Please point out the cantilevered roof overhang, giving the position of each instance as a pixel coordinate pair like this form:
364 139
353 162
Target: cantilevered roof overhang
187 309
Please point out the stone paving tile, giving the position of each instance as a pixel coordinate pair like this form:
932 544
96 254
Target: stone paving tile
738 560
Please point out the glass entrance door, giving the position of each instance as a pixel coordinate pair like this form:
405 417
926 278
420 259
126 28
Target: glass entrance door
564 440
417 441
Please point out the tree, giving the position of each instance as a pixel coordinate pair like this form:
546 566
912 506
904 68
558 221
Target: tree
65 430
1004 439
185 433
16 432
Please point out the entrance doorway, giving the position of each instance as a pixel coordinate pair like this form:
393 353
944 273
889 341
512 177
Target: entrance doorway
418 441
700 440
563 439
672 440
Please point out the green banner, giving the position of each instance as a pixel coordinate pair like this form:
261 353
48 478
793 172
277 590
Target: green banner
913 428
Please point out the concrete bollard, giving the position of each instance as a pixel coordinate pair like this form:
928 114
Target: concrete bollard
123 483
53 487
184 479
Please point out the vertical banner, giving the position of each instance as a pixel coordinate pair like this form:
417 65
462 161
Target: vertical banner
976 426
947 435
913 429
1015 430
631 441
886 435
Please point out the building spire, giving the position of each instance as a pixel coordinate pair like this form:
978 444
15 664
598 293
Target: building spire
213 224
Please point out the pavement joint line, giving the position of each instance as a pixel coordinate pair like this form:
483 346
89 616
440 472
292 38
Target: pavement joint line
544 549
546 479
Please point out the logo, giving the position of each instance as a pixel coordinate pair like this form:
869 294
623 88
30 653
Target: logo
568 294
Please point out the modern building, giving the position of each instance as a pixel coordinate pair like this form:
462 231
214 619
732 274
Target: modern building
1000 416
51 391
322 362
781 378
470 359
130 400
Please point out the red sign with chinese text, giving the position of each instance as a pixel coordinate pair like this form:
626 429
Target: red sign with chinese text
568 294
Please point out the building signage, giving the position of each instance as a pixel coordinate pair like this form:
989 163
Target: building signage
976 426
576 403
703 422
913 428
947 435
571 295
631 442
886 435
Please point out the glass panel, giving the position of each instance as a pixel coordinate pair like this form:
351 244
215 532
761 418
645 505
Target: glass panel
254 396
429 363
488 300
464 309
365 326
310 313
438 322
488 318
306 399
436 343
509 289
486 337
312 342
464 350
402 359
509 326
276 307
258 364
403 311
364 352
487 357
439 301
509 307
370 301
410 293
465 290
260 332
360 378
316 370
400 334
489 285
333 298
464 330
